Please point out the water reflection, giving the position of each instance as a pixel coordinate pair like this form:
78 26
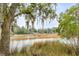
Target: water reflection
19 44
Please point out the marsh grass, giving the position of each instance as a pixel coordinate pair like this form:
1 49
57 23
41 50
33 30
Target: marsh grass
48 49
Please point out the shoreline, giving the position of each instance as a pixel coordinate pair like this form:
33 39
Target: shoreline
34 36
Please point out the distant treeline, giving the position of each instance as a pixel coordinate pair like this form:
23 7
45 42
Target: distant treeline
23 30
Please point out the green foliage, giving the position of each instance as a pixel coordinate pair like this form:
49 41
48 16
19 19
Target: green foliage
49 31
69 24
73 9
21 30
46 11
18 30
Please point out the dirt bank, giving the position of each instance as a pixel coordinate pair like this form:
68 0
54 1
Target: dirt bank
34 36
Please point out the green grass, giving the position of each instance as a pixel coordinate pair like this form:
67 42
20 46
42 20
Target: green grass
48 49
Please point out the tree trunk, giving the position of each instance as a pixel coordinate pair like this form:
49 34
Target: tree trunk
8 18
27 23
42 25
5 40
32 26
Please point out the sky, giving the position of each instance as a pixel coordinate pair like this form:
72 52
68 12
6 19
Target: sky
61 7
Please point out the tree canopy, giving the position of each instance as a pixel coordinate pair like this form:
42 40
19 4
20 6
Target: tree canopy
69 22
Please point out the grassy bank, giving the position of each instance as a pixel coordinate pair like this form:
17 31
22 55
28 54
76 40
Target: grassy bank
48 49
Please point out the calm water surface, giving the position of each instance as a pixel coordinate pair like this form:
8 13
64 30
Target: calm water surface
19 44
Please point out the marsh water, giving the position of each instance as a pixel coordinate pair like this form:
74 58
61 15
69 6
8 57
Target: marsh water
19 44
